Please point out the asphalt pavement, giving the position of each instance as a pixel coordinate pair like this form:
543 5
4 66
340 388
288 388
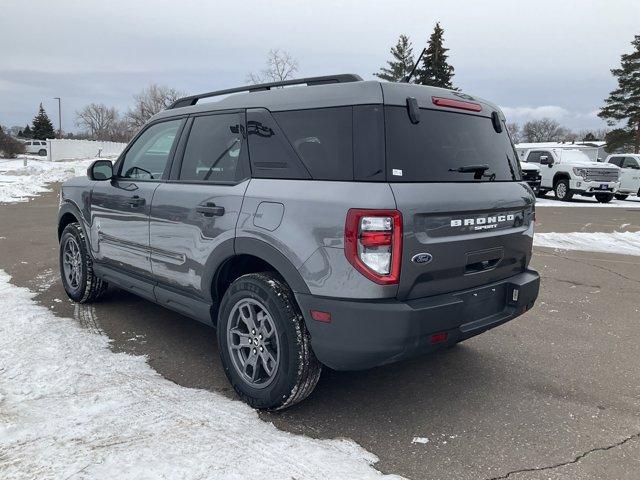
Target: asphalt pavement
554 394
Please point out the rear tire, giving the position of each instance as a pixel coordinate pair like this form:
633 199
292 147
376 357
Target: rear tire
264 344
562 190
76 267
604 197
620 196
42 152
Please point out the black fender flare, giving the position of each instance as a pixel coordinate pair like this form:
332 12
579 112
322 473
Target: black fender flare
69 207
273 256
257 248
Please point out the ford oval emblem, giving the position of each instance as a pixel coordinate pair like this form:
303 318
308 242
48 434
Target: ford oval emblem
422 258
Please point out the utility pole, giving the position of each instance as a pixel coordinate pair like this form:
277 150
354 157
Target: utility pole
59 116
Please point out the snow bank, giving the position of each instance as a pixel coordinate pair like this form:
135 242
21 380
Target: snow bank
626 243
71 407
578 201
18 183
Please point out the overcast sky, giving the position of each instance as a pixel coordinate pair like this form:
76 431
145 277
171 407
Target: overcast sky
534 58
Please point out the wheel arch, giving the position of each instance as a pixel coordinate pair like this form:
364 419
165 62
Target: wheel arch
560 176
251 255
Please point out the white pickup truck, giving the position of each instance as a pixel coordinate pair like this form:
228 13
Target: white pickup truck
629 164
569 171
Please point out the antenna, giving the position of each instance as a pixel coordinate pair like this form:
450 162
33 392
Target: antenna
408 77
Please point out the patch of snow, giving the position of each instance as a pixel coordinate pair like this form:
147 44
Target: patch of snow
579 201
423 440
625 243
72 407
18 182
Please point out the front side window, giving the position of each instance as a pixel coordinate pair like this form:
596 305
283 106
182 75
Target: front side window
148 156
214 149
617 161
447 147
322 138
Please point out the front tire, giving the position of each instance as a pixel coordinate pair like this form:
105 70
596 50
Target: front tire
604 197
620 196
264 344
76 267
42 152
562 190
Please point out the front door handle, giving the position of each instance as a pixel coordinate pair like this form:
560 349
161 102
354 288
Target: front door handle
136 201
210 210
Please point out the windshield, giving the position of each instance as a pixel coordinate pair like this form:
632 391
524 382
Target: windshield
447 147
574 156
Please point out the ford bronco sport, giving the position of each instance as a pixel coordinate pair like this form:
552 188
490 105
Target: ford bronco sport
340 222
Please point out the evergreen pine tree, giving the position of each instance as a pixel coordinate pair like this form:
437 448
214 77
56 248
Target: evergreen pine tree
401 64
26 133
42 126
434 69
20 134
623 103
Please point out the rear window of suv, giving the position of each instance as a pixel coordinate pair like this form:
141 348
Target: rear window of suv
441 143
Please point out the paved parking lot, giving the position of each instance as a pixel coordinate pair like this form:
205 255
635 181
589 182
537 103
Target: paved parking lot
554 394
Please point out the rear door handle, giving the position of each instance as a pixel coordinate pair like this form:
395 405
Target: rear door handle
136 201
210 210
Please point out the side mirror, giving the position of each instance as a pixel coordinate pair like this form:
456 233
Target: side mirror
545 160
100 170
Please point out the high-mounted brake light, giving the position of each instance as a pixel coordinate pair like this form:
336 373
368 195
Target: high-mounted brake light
373 243
451 103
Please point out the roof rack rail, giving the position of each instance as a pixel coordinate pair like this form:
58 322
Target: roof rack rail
342 78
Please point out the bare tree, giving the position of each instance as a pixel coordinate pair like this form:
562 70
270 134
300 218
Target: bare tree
150 101
98 120
514 132
545 130
280 66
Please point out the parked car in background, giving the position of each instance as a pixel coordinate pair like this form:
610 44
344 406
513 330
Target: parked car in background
38 147
629 164
531 175
570 172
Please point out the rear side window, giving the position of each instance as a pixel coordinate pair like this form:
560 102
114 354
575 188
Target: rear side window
271 154
214 148
441 143
322 138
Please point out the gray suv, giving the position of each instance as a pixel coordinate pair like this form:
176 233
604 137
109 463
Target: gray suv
338 222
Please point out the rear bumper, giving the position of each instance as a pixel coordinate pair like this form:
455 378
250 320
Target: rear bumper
364 334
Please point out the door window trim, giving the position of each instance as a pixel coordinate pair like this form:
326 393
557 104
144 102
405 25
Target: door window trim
117 167
173 175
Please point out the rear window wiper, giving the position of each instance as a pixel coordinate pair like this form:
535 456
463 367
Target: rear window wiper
477 170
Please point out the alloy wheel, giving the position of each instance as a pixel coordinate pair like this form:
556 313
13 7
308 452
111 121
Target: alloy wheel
253 344
72 263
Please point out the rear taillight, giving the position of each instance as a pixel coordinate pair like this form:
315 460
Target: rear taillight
373 243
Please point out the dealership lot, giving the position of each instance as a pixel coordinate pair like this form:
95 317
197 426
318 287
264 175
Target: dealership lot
553 394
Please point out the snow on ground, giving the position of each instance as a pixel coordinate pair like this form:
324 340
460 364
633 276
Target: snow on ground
70 407
624 243
19 182
578 201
